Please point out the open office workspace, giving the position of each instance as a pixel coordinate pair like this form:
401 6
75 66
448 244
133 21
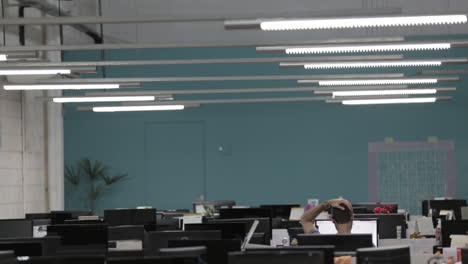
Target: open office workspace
233 132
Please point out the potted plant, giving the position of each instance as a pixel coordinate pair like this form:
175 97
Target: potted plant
97 176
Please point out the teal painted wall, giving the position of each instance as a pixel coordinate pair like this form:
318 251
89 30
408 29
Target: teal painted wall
273 152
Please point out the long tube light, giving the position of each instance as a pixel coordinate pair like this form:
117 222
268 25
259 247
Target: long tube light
35 72
373 82
3 57
384 92
361 64
390 101
60 86
351 48
353 22
96 99
138 108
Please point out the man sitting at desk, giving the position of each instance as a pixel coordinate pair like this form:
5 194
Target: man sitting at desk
342 216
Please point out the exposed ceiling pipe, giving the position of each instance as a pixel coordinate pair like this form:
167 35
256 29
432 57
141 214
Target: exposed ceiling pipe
53 10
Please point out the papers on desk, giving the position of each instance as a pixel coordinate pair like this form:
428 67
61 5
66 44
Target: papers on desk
280 237
192 219
459 241
296 213
418 246
425 226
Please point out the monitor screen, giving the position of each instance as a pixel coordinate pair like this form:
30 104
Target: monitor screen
120 217
228 230
80 234
359 227
342 242
276 257
23 248
400 255
16 228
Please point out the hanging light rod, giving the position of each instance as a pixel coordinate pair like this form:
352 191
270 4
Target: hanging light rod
200 61
138 108
19 56
241 90
380 81
191 45
413 100
330 90
380 92
6 70
373 64
88 99
38 70
76 86
346 22
80 20
224 78
365 47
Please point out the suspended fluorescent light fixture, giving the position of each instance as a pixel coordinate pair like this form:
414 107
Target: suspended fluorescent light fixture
87 99
60 86
345 22
374 82
19 56
361 64
138 108
384 92
390 101
35 71
354 48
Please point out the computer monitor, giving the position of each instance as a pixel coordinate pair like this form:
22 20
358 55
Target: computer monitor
23 248
49 244
388 224
290 224
437 205
228 230
264 225
81 238
74 214
69 259
360 210
58 218
126 233
342 242
84 222
453 227
119 217
38 216
234 213
159 239
155 260
200 207
16 228
385 255
294 232
371 206
328 251
280 210
7 257
361 226
276 257
217 250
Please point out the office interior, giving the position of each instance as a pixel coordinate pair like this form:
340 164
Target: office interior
138 131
